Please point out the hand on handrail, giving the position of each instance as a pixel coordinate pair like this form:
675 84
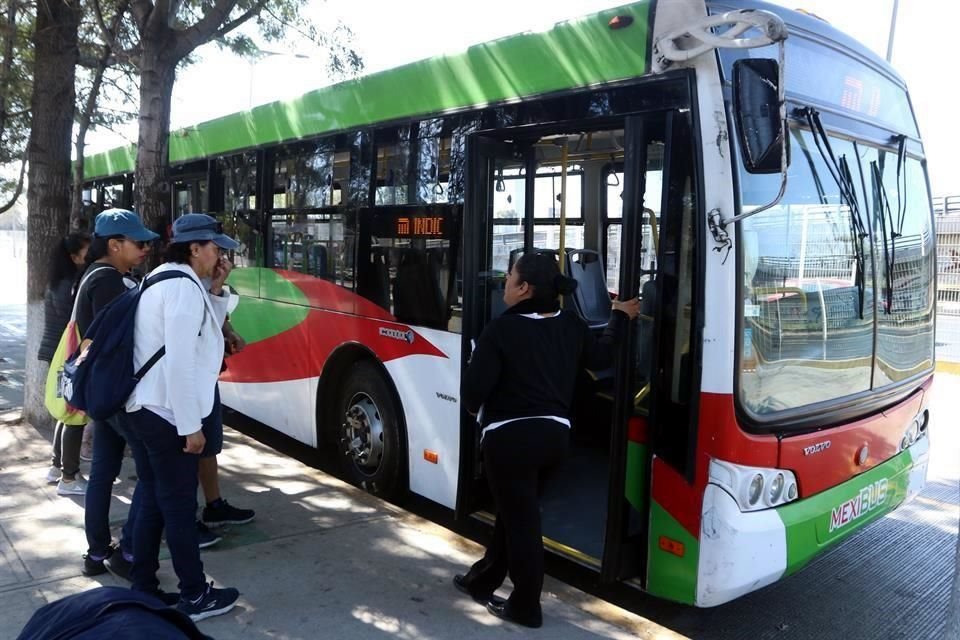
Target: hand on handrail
630 307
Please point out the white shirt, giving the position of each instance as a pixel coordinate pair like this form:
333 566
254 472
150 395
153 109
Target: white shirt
188 320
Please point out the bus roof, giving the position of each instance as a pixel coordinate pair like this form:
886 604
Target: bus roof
575 53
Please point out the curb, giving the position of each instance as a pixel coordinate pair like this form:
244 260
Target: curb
12 416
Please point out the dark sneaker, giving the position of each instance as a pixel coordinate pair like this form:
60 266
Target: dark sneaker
92 567
226 513
95 567
212 602
118 565
206 537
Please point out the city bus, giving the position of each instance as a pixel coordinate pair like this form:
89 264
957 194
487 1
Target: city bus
754 175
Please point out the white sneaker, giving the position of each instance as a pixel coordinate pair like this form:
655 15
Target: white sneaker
75 487
53 475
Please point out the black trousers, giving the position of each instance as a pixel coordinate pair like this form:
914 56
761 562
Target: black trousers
517 457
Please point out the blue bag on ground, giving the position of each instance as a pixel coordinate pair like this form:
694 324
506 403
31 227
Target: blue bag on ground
99 378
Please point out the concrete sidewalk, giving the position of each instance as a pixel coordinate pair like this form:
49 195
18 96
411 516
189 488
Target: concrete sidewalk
322 559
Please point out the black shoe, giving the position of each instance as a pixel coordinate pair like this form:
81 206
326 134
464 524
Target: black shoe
206 537
460 583
92 567
503 611
118 565
226 513
213 602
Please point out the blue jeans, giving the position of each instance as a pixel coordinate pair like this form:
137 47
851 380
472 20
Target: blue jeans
212 427
168 477
109 441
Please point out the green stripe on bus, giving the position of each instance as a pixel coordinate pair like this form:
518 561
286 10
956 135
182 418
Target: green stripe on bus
257 319
816 523
668 575
578 53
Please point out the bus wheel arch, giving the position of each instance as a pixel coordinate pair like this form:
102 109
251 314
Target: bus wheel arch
361 416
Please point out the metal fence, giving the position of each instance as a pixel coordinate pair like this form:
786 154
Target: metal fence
947 212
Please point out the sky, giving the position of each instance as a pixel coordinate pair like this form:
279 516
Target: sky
389 34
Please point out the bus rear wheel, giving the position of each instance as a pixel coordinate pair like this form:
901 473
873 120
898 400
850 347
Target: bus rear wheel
371 451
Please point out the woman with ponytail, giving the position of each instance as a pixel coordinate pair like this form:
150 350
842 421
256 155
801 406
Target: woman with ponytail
520 382
66 262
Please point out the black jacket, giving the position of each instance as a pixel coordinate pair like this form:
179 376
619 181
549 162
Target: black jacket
57 307
99 289
526 367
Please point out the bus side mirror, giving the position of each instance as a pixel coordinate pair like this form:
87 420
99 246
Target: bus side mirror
757 111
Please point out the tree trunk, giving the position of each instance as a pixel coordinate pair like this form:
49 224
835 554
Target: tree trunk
83 125
48 152
152 189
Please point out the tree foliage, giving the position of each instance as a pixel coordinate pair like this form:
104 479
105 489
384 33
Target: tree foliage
16 83
164 33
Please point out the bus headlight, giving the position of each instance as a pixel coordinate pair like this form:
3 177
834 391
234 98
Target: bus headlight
914 431
754 488
776 489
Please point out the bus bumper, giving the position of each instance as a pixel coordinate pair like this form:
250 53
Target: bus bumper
742 552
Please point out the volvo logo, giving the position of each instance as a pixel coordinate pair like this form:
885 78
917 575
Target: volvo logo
816 448
397 334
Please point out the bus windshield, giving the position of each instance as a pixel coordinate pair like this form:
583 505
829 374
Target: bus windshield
837 280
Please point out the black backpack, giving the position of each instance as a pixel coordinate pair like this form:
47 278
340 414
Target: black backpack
99 377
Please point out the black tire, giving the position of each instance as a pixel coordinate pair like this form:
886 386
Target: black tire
369 432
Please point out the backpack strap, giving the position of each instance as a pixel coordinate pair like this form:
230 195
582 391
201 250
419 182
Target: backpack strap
94 268
151 280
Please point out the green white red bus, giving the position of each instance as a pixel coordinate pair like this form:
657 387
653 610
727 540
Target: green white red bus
772 398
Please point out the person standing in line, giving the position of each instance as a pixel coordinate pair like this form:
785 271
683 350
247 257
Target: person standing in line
521 380
66 261
120 243
167 407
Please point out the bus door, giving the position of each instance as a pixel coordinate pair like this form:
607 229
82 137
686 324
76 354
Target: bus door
494 228
657 378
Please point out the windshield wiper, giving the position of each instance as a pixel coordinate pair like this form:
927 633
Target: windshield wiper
841 174
892 229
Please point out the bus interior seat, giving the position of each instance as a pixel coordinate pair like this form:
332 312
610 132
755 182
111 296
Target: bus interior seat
417 298
318 260
377 288
495 289
591 300
439 260
516 254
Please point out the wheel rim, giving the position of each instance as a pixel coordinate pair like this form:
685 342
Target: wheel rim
363 433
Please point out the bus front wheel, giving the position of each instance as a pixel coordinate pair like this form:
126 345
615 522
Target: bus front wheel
370 445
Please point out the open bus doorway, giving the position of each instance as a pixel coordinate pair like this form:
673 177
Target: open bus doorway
593 198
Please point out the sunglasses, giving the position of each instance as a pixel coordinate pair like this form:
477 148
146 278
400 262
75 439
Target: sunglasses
140 244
